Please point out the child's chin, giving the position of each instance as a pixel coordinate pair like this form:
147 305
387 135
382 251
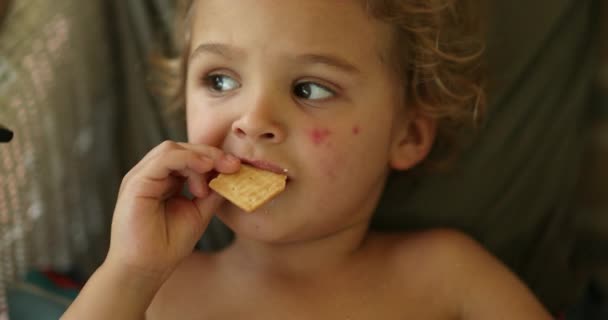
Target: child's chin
258 225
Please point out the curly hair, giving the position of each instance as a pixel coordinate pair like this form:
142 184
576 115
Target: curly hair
436 53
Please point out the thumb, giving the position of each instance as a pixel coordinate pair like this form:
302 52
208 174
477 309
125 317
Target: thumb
208 205
189 220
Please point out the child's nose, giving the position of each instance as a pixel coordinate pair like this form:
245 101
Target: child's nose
258 124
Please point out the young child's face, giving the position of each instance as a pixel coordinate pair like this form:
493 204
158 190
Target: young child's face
301 86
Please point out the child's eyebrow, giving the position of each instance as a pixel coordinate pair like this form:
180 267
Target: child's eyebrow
221 49
329 60
232 52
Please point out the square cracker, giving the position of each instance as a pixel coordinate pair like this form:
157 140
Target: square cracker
249 188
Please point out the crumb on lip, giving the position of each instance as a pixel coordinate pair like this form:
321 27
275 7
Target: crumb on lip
267 166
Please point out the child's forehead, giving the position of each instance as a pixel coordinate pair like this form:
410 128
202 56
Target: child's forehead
309 12
316 24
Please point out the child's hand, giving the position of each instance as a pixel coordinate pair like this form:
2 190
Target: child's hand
154 227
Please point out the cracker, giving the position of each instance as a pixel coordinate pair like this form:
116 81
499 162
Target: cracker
249 188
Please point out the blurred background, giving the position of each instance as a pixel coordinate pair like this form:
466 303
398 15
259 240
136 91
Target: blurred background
74 90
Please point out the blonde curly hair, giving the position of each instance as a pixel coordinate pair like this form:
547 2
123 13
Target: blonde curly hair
437 53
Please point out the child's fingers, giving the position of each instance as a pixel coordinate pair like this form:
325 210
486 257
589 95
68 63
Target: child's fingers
167 188
208 205
155 178
183 162
168 145
221 160
190 221
197 184
165 147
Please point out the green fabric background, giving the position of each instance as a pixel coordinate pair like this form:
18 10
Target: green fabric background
513 189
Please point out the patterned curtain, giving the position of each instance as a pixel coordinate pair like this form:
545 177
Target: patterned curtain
73 89
59 175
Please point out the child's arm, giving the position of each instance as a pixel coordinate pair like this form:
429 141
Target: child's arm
114 294
153 229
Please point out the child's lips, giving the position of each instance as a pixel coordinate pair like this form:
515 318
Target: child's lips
268 166
260 164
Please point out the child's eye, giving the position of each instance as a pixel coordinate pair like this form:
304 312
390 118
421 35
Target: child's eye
312 91
220 83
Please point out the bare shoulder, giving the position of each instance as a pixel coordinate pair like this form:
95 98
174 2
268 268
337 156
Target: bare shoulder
175 297
437 250
438 242
449 250
467 276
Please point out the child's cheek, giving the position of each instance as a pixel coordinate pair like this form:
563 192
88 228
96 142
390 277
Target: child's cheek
320 136
201 130
331 149
322 146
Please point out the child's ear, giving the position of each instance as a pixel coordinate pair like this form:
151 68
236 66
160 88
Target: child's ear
412 142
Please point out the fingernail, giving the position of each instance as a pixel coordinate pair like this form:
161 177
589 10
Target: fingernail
206 161
230 158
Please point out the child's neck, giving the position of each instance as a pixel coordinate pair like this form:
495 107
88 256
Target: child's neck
299 260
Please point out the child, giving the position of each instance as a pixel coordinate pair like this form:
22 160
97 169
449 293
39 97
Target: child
336 94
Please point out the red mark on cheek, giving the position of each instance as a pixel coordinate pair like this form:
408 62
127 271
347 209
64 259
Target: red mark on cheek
318 136
356 130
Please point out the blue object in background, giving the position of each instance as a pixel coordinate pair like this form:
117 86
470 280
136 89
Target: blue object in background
38 297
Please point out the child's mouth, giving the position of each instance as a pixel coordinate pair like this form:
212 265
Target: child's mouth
263 165
268 166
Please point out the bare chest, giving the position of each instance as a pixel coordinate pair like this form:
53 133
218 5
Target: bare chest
365 297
